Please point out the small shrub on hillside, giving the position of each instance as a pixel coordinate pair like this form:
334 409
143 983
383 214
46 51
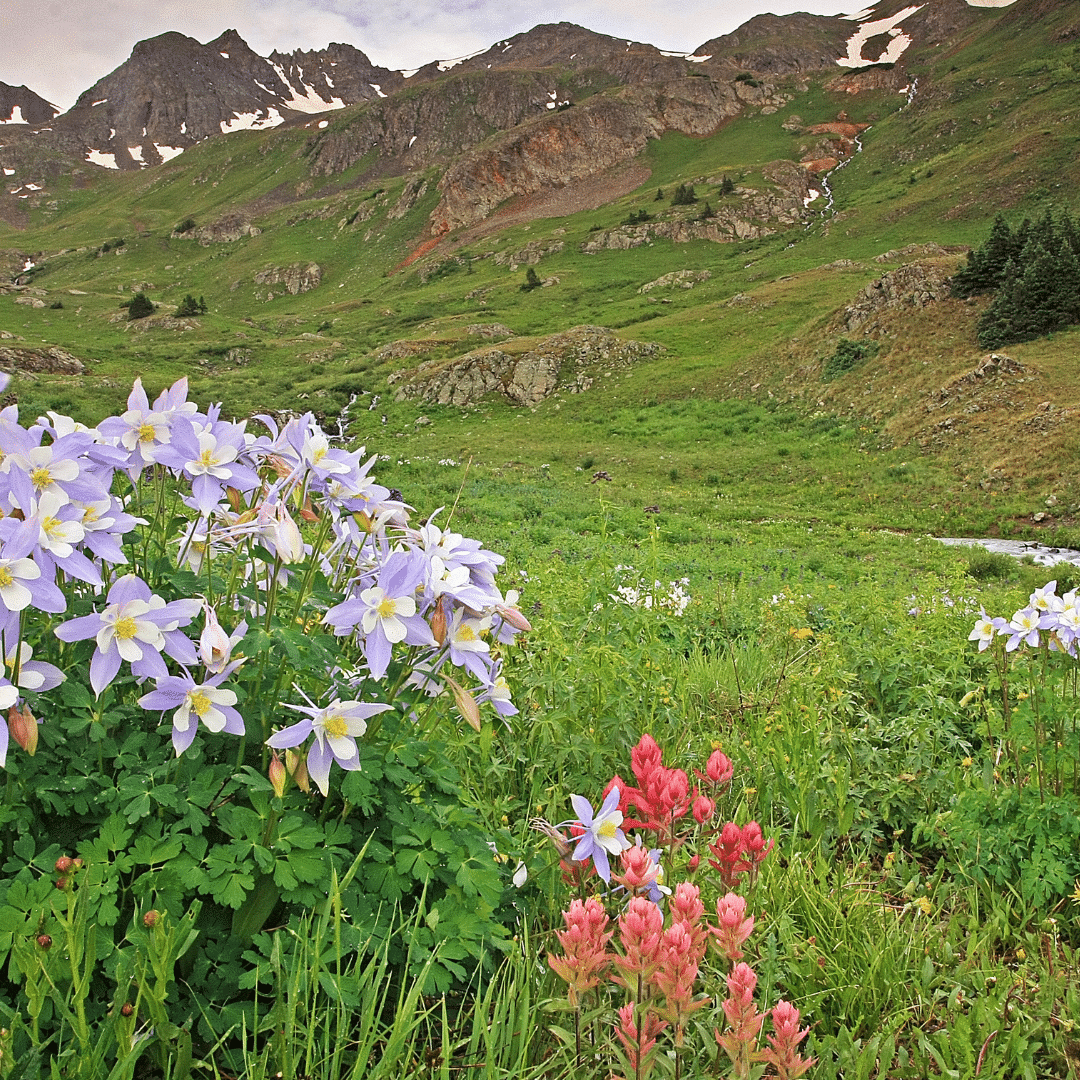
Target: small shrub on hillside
637 217
56 305
532 281
985 565
190 306
684 195
139 306
849 354
727 186
185 226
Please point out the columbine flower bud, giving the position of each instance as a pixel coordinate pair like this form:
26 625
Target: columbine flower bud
64 864
149 920
277 774
61 883
44 942
287 539
24 728
126 1009
438 622
297 768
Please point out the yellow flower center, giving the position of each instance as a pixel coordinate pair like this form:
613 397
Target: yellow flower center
147 433
607 830
90 515
335 726
319 454
51 527
387 607
467 633
6 577
41 478
199 702
206 458
126 627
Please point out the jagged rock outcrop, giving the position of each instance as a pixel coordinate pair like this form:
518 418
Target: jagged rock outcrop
48 361
780 45
564 147
915 285
529 255
20 105
759 214
567 361
173 92
226 230
488 330
298 278
677 279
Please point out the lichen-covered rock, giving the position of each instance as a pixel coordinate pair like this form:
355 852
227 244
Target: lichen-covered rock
909 287
565 361
681 279
488 330
226 230
48 361
297 278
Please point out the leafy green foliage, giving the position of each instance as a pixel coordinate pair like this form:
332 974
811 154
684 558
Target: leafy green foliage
139 306
849 354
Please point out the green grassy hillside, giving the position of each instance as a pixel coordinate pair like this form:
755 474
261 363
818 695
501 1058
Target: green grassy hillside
737 398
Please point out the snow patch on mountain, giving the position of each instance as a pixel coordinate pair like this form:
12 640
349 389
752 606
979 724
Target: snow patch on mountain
106 161
15 118
168 152
252 121
867 30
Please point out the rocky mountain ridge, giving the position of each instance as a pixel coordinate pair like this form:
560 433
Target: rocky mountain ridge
173 91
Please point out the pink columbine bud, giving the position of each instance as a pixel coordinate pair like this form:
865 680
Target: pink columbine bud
511 613
149 920
126 1009
438 622
24 728
277 774
719 768
61 883
64 864
704 808
297 767
734 926
44 942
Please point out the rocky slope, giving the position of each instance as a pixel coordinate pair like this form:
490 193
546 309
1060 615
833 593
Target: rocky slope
19 105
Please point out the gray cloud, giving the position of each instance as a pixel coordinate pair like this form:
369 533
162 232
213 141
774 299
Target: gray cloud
65 46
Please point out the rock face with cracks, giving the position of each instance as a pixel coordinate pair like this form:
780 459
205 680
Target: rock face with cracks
297 278
912 286
567 361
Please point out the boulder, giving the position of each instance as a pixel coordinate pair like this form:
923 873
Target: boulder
47 361
565 361
909 287
297 278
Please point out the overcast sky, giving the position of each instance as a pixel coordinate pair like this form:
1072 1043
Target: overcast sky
59 48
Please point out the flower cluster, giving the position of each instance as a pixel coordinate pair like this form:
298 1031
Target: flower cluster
1046 619
655 959
671 598
256 517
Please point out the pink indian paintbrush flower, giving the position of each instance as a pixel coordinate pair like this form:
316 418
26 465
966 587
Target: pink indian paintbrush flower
783 1053
734 926
638 1037
584 941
